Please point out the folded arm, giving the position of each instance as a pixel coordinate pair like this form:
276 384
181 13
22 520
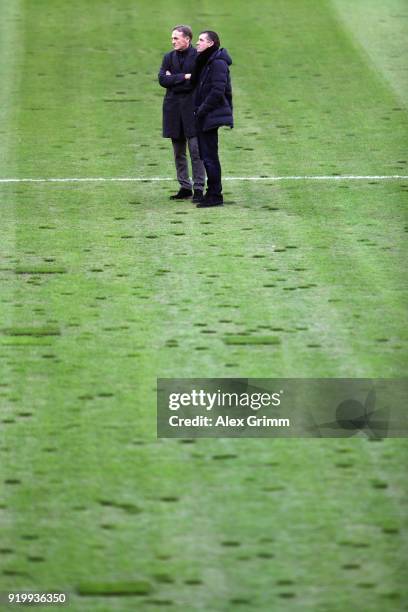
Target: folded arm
166 78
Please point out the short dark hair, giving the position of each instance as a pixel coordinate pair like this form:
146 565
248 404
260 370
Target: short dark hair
212 36
185 30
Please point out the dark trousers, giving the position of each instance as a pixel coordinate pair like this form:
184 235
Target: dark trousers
208 144
180 158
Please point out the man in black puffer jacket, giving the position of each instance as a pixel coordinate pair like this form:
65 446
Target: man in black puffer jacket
213 108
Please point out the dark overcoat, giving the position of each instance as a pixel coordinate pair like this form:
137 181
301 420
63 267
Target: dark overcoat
178 104
213 94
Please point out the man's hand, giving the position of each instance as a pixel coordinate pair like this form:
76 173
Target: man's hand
168 73
187 77
199 113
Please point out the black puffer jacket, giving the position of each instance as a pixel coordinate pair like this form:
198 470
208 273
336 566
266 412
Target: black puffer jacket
213 94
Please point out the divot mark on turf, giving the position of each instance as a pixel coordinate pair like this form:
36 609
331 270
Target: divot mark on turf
13 572
251 340
378 484
224 456
35 559
129 508
32 331
390 530
163 578
39 270
114 589
392 595
125 506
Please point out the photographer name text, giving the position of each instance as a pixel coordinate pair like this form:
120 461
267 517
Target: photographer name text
226 421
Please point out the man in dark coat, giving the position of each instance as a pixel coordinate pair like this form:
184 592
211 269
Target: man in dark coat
178 112
213 108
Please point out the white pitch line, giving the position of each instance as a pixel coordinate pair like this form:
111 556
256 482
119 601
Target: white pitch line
150 179
342 177
99 179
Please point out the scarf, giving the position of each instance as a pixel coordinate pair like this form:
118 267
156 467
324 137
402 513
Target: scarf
201 61
182 56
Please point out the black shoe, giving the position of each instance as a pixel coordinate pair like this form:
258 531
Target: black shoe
211 200
198 196
182 194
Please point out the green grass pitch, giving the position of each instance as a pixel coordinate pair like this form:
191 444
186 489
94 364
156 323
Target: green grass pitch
107 286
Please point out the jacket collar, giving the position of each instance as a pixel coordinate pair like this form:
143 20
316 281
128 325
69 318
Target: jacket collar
185 51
